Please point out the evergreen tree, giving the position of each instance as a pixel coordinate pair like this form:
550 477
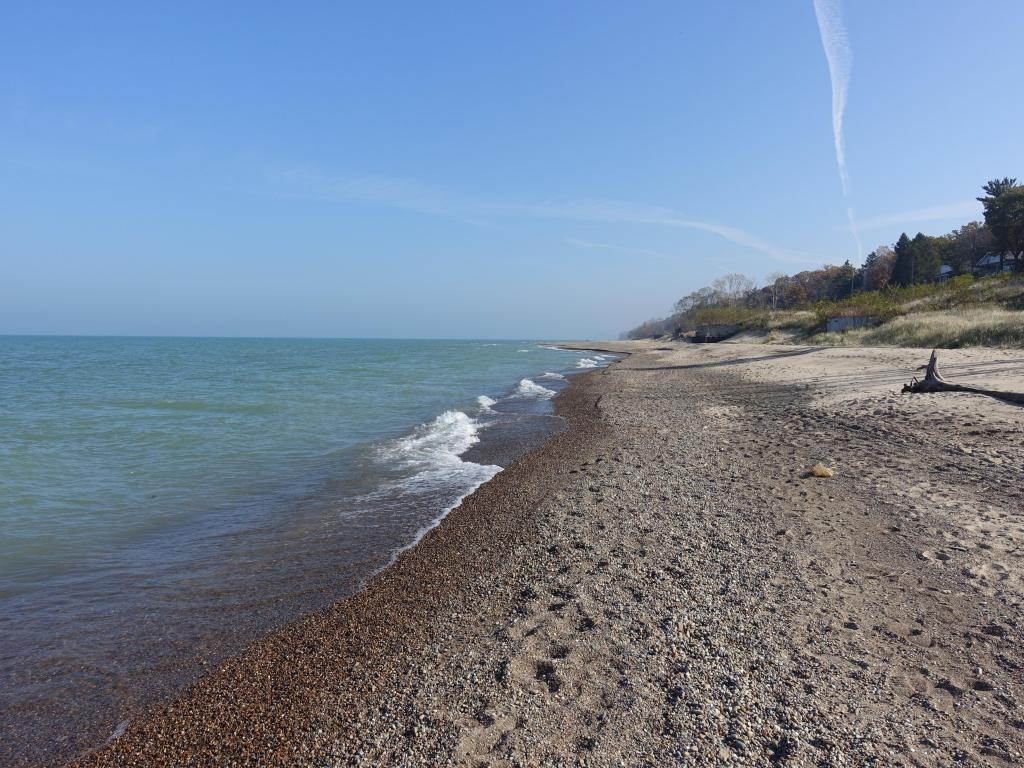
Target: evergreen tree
996 187
843 281
903 269
1004 215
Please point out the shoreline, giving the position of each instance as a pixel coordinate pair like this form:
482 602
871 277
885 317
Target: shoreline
665 583
389 609
69 692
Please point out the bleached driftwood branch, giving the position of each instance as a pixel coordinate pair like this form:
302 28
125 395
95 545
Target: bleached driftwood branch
933 382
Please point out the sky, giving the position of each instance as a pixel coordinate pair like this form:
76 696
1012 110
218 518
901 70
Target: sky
475 170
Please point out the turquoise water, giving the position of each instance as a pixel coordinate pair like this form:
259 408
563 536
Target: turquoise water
164 501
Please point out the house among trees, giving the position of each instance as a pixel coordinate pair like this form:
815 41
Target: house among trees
993 263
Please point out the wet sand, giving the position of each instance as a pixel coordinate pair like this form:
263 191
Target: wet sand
663 583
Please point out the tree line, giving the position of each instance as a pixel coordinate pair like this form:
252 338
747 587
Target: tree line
909 261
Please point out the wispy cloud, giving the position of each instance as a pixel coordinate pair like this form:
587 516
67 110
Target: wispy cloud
591 244
638 213
957 211
393 192
410 195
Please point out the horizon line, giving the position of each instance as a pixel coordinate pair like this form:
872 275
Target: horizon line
282 338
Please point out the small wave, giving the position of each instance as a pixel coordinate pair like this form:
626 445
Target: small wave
437 444
486 403
587 362
470 477
432 456
529 388
551 375
524 350
551 346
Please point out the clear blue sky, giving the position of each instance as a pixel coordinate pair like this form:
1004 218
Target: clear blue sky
468 169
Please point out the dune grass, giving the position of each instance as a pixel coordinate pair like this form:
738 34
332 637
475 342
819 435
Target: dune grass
987 326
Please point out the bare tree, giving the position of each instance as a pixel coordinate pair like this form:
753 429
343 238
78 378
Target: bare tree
733 288
775 280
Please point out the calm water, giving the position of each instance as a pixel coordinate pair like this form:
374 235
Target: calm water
164 501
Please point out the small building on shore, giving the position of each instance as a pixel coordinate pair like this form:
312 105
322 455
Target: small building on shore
992 263
709 334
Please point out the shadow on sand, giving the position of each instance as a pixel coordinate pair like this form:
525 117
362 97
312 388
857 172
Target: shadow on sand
737 361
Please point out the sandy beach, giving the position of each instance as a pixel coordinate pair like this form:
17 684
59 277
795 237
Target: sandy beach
665 583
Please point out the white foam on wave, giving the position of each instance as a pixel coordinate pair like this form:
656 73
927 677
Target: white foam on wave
432 453
474 476
440 442
551 375
551 346
587 362
485 402
530 388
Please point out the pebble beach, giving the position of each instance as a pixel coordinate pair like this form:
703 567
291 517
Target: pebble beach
666 582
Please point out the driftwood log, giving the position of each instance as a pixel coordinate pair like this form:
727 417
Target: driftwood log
933 382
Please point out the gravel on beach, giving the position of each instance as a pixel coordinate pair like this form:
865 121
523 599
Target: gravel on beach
667 582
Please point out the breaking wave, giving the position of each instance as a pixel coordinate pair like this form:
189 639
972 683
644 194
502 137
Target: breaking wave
529 388
439 443
437 475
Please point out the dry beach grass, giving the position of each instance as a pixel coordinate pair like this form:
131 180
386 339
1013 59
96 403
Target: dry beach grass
666 583
988 326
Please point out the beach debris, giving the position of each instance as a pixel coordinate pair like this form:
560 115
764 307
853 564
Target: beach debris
820 470
933 382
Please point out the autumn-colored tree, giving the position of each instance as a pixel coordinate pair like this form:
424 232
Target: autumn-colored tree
878 266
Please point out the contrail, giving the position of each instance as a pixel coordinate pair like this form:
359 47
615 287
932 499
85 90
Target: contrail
840 63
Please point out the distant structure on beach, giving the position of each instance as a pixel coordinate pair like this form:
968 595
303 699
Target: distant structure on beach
708 334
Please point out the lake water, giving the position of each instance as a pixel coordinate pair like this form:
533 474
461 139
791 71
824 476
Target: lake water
165 501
